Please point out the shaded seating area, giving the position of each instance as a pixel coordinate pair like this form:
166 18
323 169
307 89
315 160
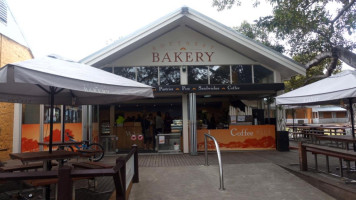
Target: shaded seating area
69 178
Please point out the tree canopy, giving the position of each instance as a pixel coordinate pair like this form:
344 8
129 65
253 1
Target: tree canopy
318 32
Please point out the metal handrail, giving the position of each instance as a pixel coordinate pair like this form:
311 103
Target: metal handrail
221 175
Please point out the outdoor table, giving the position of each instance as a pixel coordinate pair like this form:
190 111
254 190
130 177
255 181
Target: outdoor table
333 129
346 139
306 132
339 138
43 156
66 143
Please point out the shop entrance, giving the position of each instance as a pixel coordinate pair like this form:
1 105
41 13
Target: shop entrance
122 125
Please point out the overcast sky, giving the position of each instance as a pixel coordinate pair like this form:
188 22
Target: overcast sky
75 29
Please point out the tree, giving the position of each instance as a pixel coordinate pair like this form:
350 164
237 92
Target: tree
314 29
259 34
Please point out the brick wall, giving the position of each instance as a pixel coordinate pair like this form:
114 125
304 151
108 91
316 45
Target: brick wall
10 52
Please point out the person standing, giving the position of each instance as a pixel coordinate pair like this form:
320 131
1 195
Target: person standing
147 137
159 123
158 127
167 123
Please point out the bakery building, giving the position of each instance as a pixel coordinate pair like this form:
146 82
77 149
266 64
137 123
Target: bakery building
206 77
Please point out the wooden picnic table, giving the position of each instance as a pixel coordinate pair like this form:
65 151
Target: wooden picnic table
66 143
44 156
334 129
338 138
27 157
300 132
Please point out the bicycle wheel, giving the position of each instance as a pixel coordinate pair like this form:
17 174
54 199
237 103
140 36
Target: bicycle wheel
97 147
66 148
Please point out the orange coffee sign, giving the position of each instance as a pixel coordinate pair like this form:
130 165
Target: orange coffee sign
240 138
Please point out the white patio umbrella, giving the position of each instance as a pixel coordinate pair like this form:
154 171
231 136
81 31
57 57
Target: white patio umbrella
53 81
331 90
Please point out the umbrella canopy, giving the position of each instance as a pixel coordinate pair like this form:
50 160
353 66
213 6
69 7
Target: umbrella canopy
74 83
50 80
326 91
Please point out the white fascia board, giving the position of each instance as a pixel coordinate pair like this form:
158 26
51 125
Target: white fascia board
100 55
248 43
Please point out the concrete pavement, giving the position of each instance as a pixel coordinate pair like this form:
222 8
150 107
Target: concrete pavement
242 181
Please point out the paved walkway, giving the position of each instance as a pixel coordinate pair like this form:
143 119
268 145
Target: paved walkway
247 175
242 181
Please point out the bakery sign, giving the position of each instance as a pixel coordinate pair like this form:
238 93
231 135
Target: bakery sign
220 88
195 88
179 57
182 52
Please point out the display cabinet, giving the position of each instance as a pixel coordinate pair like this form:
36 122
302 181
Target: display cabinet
168 142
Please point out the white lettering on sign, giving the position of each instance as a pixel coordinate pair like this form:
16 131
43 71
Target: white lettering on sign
233 87
243 132
162 89
178 57
208 88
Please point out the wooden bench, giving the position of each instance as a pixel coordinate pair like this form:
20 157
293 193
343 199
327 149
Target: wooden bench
14 168
44 182
91 165
341 154
49 181
305 136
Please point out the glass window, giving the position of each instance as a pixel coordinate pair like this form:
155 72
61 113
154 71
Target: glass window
198 75
108 69
127 72
56 114
30 114
241 74
147 75
219 74
169 75
262 74
73 114
30 128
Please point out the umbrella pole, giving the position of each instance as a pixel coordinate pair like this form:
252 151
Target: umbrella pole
51 121
49 163
293 119
352 122
63 124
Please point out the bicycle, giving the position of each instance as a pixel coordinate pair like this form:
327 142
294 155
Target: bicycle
86 145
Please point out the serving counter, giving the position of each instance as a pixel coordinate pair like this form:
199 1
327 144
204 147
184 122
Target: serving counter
168 142
244 137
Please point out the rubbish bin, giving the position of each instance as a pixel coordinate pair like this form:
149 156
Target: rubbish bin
282 141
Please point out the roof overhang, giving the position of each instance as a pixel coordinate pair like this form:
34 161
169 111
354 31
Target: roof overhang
205 26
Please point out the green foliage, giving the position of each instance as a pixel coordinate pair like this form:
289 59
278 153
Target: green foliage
309 27
259 34
313 74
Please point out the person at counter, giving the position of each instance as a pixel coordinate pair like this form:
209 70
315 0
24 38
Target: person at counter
167 123
145 126
212 123
120 120
159 123
158 127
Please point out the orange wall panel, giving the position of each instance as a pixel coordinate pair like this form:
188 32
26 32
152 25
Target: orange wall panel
240 138
31 134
